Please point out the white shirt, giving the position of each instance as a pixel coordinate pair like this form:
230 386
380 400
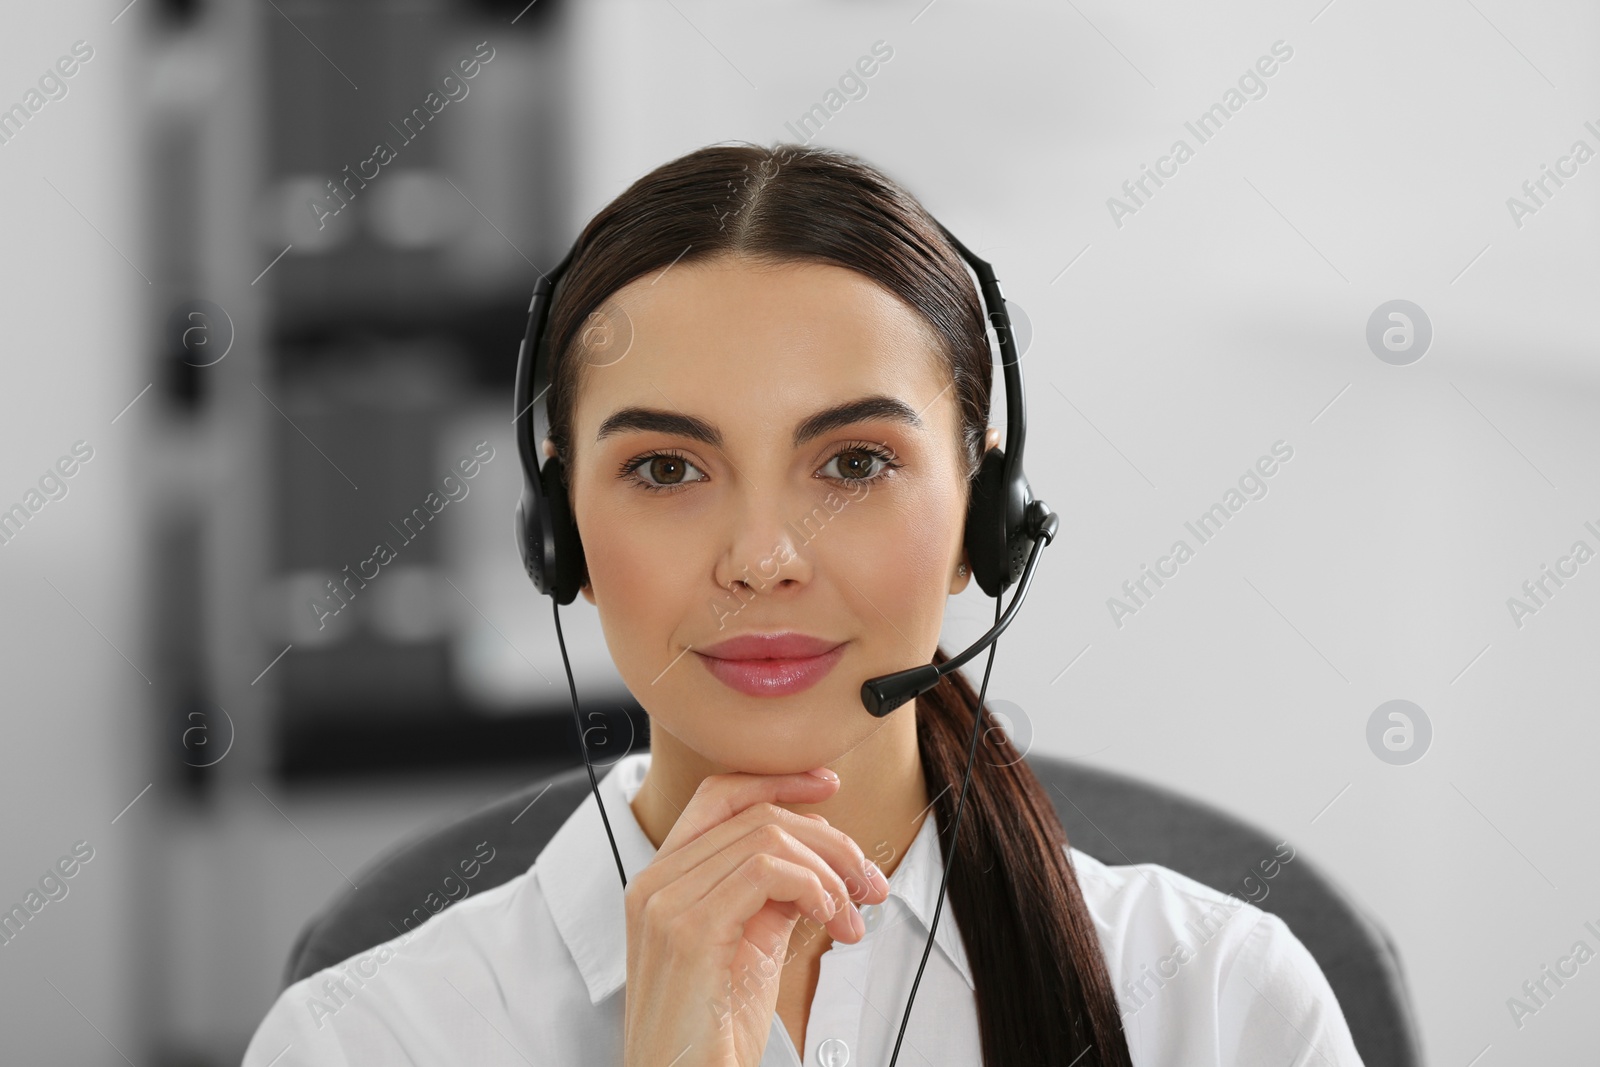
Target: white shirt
532 972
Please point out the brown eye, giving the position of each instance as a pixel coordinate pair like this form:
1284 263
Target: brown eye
860 463
667 470
856 464
660 472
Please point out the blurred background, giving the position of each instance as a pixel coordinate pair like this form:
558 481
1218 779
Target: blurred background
241 347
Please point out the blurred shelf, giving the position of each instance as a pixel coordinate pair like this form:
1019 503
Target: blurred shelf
488 332
317 744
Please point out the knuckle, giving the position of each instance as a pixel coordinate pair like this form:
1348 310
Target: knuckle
777 838
858 858
763 865
656 910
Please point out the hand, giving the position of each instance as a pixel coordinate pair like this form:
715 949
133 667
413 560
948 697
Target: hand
708 922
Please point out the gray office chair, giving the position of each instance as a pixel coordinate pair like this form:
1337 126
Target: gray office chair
1112 817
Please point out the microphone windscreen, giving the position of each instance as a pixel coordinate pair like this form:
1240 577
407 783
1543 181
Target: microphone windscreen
883 694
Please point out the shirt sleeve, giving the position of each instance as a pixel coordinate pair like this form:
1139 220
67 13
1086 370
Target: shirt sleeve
312 1025
283 1039
1276 1008
289 1035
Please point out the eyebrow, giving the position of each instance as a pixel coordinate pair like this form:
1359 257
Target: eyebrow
876 406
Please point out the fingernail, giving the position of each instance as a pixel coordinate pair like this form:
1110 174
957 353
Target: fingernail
857 923
875 873
823 773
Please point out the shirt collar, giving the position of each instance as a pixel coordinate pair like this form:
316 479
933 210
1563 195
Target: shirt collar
577 875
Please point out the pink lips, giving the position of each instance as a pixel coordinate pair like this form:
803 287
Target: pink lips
771 664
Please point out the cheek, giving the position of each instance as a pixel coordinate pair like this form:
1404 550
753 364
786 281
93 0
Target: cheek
900 562
643 575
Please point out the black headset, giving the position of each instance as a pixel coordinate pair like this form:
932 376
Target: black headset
1005 529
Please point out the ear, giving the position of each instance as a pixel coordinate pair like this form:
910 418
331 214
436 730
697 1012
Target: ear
958 581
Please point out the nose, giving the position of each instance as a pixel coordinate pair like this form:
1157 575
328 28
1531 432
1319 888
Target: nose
764 544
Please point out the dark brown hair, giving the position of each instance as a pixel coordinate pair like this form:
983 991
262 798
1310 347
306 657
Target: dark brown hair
1043 994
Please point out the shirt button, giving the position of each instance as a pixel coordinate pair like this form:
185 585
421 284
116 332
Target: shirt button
833 1053
871 916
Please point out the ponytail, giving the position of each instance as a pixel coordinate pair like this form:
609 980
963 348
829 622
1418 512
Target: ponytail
1044 995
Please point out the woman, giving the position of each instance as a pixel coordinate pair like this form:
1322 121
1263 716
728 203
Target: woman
772 390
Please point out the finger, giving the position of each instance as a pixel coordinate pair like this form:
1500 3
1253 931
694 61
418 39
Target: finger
774 840
761 878
722 796
837 850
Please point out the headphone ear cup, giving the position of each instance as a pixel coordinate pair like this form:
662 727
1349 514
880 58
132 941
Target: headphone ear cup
986 524
526 544
570 569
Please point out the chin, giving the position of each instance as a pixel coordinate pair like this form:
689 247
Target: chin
753 735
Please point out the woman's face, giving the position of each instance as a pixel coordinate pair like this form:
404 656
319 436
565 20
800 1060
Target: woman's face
852 534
